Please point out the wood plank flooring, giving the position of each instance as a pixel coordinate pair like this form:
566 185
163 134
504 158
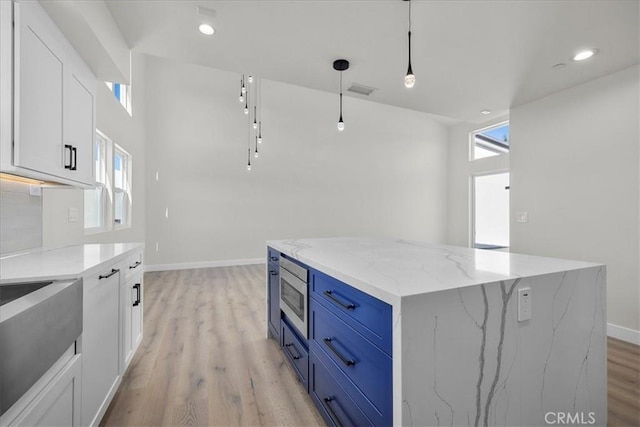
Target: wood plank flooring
204 359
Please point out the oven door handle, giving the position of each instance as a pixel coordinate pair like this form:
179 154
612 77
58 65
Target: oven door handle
347 362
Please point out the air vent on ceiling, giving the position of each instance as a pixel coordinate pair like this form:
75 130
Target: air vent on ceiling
361 89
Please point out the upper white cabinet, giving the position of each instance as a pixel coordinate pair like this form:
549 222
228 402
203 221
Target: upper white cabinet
53 103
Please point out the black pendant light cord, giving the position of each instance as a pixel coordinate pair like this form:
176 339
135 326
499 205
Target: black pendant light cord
410 71
340 96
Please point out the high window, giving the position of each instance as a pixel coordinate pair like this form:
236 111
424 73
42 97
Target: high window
491 141
122 94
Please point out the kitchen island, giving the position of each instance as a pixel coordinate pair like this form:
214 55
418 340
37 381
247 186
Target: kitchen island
478 337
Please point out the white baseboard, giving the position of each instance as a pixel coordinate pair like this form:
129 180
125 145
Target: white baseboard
205 264
624 334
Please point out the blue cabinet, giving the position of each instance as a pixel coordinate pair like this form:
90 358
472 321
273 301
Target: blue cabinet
346 364
273 293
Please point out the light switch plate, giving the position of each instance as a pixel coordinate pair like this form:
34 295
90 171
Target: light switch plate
35 190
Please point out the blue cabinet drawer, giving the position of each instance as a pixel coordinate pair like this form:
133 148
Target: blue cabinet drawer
273 255
365 365
296 352
366 314
333 402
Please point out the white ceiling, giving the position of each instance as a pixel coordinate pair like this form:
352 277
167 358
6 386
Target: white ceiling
467 55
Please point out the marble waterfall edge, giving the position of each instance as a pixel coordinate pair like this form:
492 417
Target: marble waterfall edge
467 361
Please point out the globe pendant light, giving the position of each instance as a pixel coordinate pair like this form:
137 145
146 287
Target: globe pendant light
260 132
340 65
241 92
255 122
255 153
410 78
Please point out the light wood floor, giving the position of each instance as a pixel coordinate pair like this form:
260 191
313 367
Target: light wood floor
204 359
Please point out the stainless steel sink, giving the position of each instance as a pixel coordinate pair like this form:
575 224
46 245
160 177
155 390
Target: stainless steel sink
38 322
14 291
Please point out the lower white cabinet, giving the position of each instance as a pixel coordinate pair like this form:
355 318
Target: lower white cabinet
131 318
100 343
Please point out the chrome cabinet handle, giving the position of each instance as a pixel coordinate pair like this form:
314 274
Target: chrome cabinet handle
332 414
346 306
135 265
106 276
290 353
347 362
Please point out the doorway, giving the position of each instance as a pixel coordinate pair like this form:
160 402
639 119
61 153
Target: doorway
490 217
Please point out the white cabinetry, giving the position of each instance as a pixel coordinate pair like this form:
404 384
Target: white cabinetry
53 102
132 288
100 343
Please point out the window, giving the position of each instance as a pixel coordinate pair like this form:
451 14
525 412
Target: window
121 187
95 203
122 94
108 205
491 141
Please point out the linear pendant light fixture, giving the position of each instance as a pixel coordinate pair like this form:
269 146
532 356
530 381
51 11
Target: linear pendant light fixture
409 78
340 65
251 96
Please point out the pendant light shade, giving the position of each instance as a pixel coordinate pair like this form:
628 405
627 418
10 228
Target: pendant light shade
255 120
260 133
241 92
409 78
340 65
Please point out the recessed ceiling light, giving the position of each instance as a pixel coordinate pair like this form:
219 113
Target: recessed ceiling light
206 29
584 54
485 112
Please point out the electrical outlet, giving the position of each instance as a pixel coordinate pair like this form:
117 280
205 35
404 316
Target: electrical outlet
73 214
524 304
522 216
35 190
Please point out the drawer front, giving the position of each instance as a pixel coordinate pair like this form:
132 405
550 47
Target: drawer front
297 353
366 314
131 266
273 255
332 401
366 366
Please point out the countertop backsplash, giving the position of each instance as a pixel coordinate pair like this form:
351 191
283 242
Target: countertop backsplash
20 217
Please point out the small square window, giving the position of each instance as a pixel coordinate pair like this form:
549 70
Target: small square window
491 141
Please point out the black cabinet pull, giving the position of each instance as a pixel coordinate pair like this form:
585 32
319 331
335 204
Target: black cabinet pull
137 288
135 265
347 306
273 272
347 362
106 276
287 346
74 150
70 148
326 403
273 258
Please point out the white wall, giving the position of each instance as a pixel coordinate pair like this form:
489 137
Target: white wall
128 132
575 169
384 175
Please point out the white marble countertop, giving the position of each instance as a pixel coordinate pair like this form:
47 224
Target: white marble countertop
392 269
61 263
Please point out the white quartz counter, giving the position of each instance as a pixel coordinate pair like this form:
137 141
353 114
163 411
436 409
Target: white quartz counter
391 269
61 263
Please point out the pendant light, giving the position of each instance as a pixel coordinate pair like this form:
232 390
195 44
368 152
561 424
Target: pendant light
410 78
255 153
241 92
255 119
243 89
340 65
260 132
246 103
